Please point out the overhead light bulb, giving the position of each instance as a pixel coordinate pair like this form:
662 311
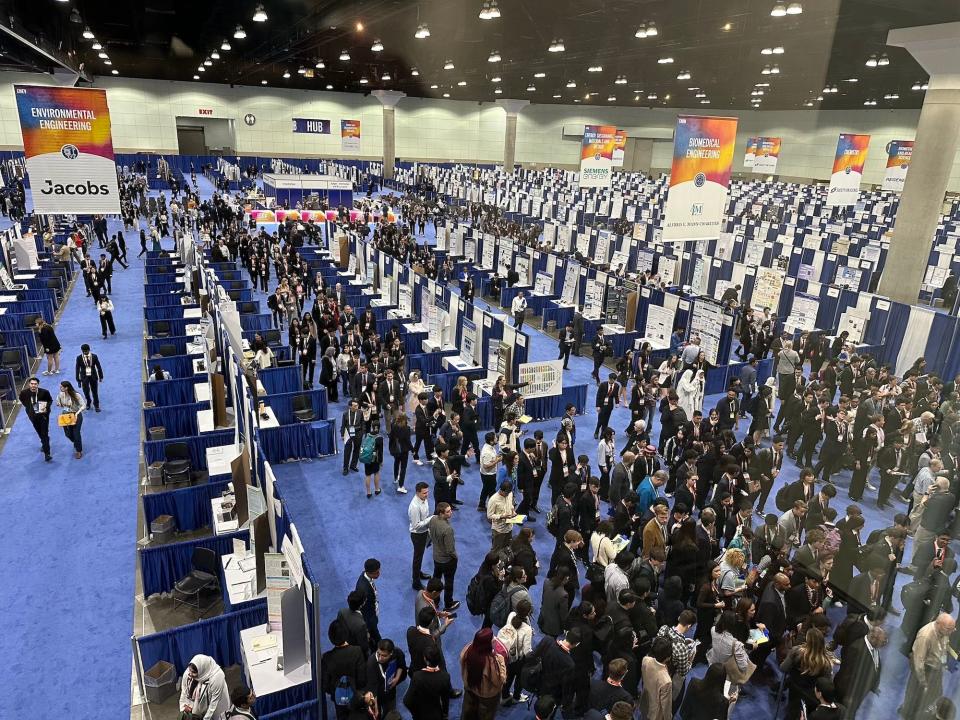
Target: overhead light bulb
214 55
494 13
225 46
263 82
320 65
531 88
114 72
286 74
779 10
595 68
301 70
498 91
701 95
434 87
377 46
883 60
363 81
556 46
652 30
652 96
766 70
664 61
359 26
485 12
102 55
201 68
794 8
96 46
621 80
915 86
871 61
208 62
422 31
107 62
462 83
558 95
329 87
612 98
852 80
344 56
808 103
495 79
778 50
774 69
767 51
494 57
704 102
448 65
571 84
924 86
540 75
88 33
414 72
196 77
641 32
260 15
684 75
240 34
446 95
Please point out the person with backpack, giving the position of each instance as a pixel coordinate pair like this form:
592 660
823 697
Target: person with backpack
342 670
517 637
551 669
509 597
484 586
429 693
371 455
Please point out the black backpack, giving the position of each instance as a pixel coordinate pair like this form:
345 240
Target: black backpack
476 602
502 604
783 499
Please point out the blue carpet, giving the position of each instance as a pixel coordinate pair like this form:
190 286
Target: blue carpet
68 528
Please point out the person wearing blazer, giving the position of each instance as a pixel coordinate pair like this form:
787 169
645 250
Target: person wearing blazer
655 531
656 701
555 604
529 478
89 375
38 402
366 584
562 467
860 669
608 397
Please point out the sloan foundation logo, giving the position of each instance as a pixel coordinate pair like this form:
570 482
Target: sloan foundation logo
70 152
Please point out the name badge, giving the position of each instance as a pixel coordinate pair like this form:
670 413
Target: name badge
89 371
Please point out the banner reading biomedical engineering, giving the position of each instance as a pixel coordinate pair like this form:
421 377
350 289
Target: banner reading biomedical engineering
899 153
847 169
699 177
766 155
68 149
350 135
596 155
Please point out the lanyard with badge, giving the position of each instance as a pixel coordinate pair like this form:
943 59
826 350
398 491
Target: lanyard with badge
88 370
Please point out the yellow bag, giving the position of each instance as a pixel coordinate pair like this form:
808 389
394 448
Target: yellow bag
67 419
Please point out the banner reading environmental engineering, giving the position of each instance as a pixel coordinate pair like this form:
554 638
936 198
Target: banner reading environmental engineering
68 149
619 147
750 154
899 153
702 158
350 135
766 154
596 155
307 125
847 169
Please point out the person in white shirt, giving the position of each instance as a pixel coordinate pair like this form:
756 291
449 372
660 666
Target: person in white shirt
518 307
489 459
418 513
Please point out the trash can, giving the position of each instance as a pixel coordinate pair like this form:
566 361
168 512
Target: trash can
155 474
160 682
551 325
158 432
163 528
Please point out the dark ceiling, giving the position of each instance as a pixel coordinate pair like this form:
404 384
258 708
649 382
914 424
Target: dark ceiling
718 42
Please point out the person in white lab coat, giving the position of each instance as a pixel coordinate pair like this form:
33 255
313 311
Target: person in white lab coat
204 690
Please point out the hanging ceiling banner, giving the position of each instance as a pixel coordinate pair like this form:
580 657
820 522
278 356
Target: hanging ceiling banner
766 154
750 155
619 147
899 153
69 149
350 135
596 155
699 177
847 169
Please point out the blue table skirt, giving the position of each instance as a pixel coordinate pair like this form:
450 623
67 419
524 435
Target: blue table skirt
429 363
256 321
177 326
178 341
22 338
537 303
171 392
179 366
189 506
303 440
162 566
164 289
164 301
554 407
177 420
560 315
309 710
282 404
448 380
169 312
281 380
623 342
413 342
719 378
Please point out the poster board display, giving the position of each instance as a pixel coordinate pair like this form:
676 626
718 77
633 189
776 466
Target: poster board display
468 346
855 323
543 284
848 277
803 314
767 286
659 325
593 299
568 295
706 321
544 379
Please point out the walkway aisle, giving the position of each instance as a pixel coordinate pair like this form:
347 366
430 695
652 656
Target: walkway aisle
68 528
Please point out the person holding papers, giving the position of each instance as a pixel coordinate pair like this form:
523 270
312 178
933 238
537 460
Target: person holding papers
37 402
518 307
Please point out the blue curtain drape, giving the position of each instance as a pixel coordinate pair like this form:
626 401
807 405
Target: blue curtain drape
44 308
282 404
171 392
177 326
309 710
280 380
162 566
165 313
178 420
553 407
256 322
189 506
179 366
303 440
153 449
178 341
20 338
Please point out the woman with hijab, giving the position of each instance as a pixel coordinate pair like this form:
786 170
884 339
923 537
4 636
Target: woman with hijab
690 391
484 674
204 692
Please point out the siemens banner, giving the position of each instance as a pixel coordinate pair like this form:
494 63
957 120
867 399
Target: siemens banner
596 155
899 153
317 127
766 154
68 149
847 169
702 158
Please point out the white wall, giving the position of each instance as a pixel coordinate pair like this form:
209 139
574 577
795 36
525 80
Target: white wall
144 116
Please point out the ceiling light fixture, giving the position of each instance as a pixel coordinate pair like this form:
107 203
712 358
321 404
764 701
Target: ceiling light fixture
531 88
377 46
240 34
498 91
260 15
556 46
363 81
652 30
434 87
446 95
462 83
683 75
704 102
883 60
767 51
779 10
201 68
869 102
448 65
539 75
808 103
494 57
102 55
595 68
494 13
344 56
778 50
196 77
871 61
329 87
225 46
414 72
286 74
701 94
422 32
621 80
774 69
495 79
359 26
558 95
571 84
107 62
263 82
208 62
385 76
214 55
664 61
794 8
115 72
891 96
652 96
301 70
641 32
88 33
320 65
612 98
96 46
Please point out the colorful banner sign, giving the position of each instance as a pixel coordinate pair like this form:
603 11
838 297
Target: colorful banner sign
68 149
350 135
766 154
847 169
749 156
619 147
702 158
306 125
899 153
596 155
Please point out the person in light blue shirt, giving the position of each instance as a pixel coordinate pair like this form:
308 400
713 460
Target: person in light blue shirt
649 489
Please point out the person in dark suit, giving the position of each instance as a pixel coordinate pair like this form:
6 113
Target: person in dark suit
860 670
529 477
608 397
429 693
891 461
89 374
352 619
38 402
351 430
866 589
563 464
804 599
772 612
370 609
565 557
566 344
826 694
342 661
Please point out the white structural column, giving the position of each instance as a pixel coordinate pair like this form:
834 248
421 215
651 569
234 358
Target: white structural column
511 108
389 100
935 47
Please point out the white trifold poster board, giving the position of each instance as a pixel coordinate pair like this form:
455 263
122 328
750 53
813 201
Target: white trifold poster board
405 300
667 269
706 321
563 238
386 289
468 347
544 379
456 242
593 299
426 305
602 252
569 294
659 325
767 286
25 250
803 314
488 248
504 259
543 284
549 233
583 243
470 248
523 268
698 284
619 262
854 323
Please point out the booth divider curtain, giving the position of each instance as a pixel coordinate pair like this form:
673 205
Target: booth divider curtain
447 381
43 308
162 566
257 322
304 711
177 326
189 506
282 404
171 392
428 363
179 366
173 312
163 301
281 380
180 342
20 338
153 449
303 440
178 420
553 407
